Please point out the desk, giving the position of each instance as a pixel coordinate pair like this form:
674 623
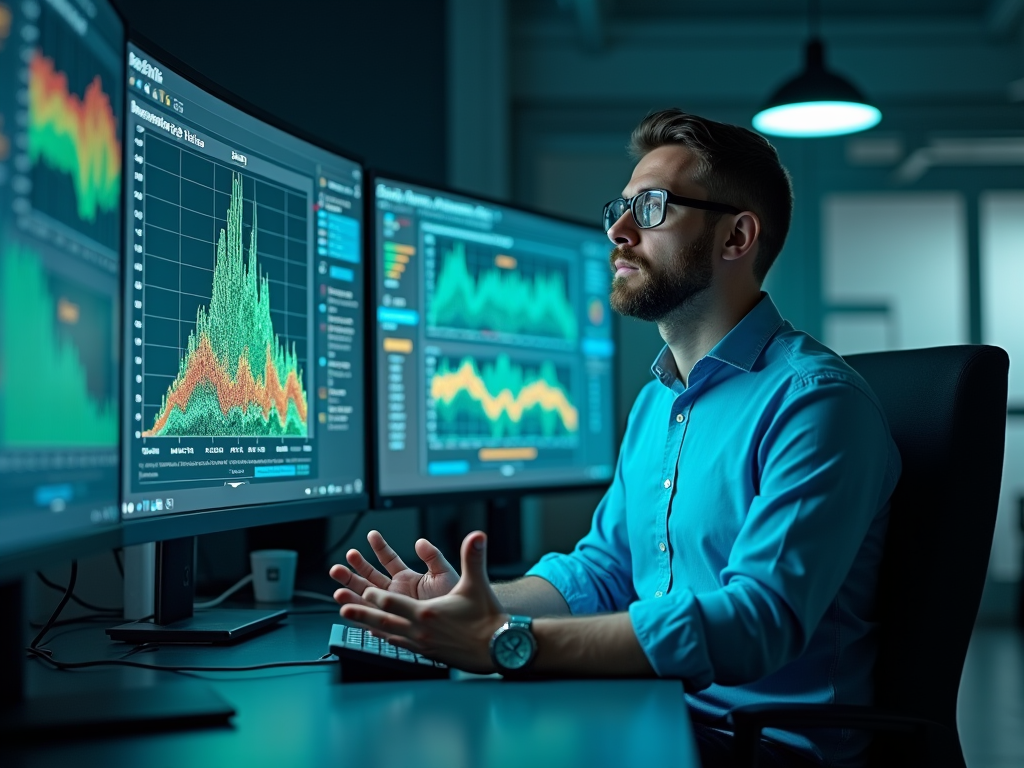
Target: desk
292 718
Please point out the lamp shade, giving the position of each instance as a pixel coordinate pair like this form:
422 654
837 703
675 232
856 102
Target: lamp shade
816 103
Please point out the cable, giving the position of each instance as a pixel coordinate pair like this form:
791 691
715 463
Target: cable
60 607
91 617
118 554
247 580
80 601
40 654
45 655
344 537
218 600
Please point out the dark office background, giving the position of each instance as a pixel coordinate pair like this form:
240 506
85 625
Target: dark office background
533 101
368 77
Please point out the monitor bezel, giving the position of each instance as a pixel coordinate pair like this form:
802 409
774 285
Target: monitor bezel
389 501
199 522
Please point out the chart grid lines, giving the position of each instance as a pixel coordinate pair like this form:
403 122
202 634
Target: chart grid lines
194 220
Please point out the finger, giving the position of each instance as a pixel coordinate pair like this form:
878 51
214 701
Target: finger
474 560
376 619
362 566
348 597
432 557
347 578
388 557
400 605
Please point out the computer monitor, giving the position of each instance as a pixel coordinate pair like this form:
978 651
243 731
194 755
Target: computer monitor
494 347
243 326
243 335
61 97
61 117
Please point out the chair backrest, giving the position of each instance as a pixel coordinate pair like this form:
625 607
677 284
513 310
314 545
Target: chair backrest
946 408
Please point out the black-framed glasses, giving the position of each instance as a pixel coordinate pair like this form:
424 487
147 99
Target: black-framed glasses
648 207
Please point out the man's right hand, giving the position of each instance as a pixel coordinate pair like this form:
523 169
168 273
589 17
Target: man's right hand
437 581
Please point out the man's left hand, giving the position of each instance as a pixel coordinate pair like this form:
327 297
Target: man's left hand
455 629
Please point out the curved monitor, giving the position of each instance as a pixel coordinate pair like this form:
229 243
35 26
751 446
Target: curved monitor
244 313
494 348
61 118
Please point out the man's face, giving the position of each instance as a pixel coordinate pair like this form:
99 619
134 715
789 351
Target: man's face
660 269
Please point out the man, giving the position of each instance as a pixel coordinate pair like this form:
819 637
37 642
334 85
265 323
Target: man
739 544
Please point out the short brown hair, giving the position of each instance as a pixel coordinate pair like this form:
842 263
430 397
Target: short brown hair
734 165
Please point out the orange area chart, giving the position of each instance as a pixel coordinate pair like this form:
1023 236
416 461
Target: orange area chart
512 399
75 136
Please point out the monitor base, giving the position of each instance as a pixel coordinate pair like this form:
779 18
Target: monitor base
169 706
220 625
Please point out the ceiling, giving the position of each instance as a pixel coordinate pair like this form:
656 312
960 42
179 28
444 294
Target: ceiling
649 10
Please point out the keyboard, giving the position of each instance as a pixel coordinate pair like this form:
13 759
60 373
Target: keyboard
364 658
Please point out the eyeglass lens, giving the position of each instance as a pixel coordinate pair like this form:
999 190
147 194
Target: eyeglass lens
613 212
649 208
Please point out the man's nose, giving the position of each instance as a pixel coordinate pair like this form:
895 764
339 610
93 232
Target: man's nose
624 231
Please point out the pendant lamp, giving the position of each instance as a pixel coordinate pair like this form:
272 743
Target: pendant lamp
816 102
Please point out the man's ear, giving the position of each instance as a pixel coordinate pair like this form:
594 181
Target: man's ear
744 235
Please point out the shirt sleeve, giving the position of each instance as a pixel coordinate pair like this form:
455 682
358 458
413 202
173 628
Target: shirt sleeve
597 576
827 469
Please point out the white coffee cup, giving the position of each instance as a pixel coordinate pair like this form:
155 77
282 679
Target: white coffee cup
273 574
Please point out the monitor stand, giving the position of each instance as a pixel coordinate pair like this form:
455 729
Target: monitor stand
505 538
173 618
169 704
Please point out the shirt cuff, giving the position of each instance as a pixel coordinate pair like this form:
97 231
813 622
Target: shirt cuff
571 580
670 630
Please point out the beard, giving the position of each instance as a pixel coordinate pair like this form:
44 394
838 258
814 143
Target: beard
659 288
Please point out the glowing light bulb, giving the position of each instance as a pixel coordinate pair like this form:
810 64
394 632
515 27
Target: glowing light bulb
817 118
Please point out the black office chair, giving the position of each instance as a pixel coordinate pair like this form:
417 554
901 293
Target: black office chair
946 408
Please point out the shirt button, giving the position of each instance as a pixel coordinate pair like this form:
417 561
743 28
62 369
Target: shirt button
680 417
667 483
661 546
658 593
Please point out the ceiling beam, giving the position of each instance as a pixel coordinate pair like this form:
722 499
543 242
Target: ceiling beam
1003 17
715 32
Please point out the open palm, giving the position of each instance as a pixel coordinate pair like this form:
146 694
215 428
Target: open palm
439 579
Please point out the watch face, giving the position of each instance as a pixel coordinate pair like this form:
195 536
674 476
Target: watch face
513 648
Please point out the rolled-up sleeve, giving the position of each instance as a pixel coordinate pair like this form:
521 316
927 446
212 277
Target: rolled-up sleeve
596 576
824 473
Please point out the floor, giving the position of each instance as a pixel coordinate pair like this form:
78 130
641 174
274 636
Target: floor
990 709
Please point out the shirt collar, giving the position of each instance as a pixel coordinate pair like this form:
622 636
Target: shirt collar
740 347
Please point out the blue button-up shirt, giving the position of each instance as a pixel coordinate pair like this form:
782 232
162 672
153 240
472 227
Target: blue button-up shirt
743 529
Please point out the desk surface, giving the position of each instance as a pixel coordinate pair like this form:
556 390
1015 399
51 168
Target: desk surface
304 717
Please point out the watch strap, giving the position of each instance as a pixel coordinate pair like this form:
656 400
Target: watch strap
520 622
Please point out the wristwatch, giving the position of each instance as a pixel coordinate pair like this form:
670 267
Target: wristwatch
513 646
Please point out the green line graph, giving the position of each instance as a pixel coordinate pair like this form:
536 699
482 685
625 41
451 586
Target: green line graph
46 401
501 300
